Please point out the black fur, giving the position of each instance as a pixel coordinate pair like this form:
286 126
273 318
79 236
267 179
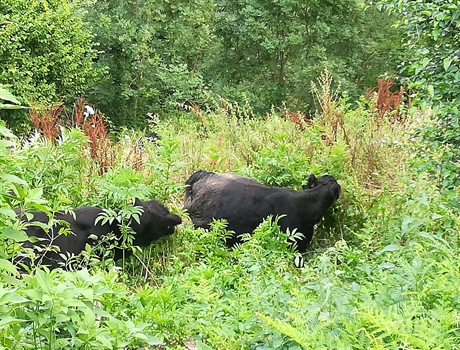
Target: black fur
152 137
156 221
245 203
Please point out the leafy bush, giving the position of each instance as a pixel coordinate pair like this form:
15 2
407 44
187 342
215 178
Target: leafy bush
153 51
432 72
46 53
269 53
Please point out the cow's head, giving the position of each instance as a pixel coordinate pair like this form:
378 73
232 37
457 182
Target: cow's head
314 182
156 221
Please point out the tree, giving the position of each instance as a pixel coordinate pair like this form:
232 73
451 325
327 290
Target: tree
272 50
153 50
432 33
45 52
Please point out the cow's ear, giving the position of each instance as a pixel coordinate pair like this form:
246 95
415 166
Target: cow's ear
311 182
137 202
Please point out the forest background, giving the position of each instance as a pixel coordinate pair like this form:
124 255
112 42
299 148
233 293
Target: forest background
130 58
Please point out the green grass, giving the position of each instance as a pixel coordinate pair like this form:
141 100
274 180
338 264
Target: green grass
383 271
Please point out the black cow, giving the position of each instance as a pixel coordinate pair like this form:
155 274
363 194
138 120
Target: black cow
245 203
154 222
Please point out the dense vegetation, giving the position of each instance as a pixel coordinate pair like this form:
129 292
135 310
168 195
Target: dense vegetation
382 273
431 70
135 57
227 79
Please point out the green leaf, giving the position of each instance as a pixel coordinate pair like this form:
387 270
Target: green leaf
13 298
6 132
15 235
151 340
430 89
201 346
44 281
13 179
446 63
104 341
36 193
387 266
8 266
8 106
388 248
34 294
8 212
8 96
434 239
8 320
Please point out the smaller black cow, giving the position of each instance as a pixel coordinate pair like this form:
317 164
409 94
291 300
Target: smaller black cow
244 203
155 221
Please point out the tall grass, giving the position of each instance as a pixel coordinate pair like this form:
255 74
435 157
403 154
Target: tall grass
383 272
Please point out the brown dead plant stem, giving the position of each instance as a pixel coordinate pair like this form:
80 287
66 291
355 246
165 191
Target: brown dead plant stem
332 114
46 120
78 116
99 143
298 119
94 128
385 101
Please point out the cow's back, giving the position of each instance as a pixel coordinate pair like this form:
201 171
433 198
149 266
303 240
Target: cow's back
68 230
242 201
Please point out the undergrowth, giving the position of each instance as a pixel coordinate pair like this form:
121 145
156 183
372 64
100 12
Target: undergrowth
382 273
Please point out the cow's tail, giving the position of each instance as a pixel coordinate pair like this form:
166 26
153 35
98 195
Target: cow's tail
194 178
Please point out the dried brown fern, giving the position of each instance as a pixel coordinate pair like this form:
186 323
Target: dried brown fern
299 120
78 115
387 102
47 120
99 142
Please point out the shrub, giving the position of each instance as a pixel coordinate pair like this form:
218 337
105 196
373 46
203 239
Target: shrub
45 51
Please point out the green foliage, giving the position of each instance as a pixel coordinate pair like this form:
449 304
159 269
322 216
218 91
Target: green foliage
57 170
432 71
132 58
63 310
383 272
279 165
5 95
152 52
271 52
438 154
45 52
164 168
431 35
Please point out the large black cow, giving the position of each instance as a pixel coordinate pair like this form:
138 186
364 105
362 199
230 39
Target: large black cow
245 203
155 221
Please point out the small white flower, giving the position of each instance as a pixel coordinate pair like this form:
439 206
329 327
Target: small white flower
89 111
